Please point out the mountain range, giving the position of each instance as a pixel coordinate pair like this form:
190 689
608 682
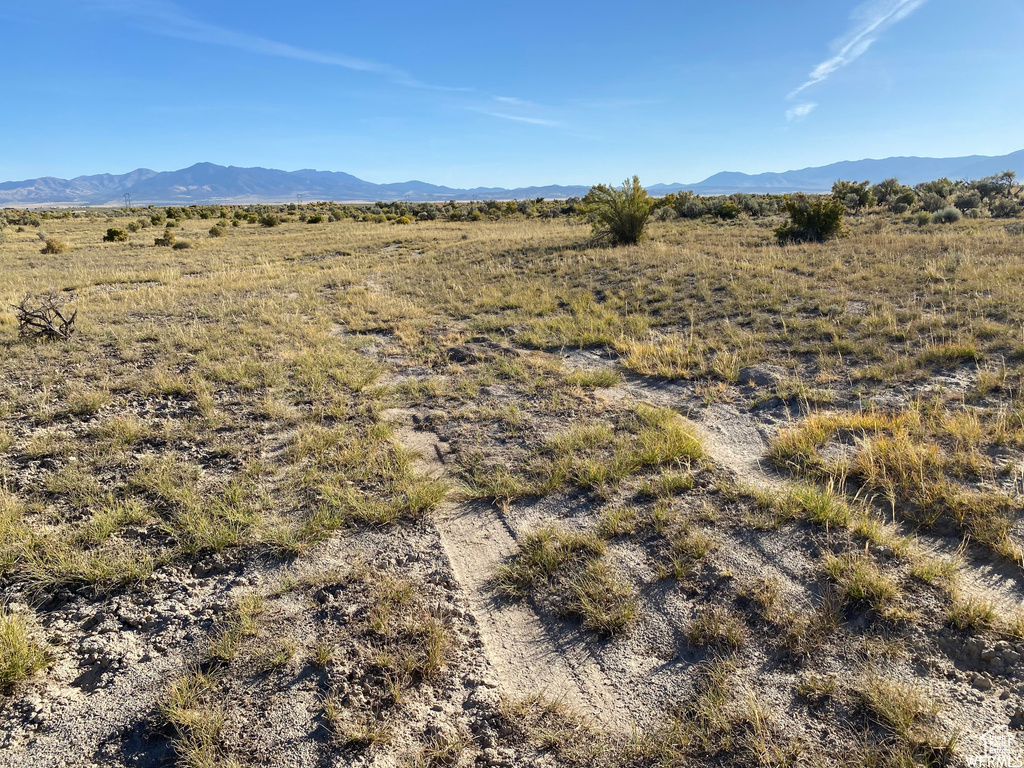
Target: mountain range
210 183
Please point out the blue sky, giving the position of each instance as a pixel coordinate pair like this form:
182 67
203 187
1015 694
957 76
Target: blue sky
504 94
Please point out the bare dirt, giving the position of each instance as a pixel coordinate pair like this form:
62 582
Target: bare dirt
97 705
527 657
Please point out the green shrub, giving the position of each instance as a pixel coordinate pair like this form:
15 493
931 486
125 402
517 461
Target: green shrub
812 219
403 220
1005 208
727 209
620 215
933 202
182 245
316 218
1015 228
116 235
968 201
940 188
133 226
693 209
898 197
947 215
217 230
270 220
922 218
853 194
167 240
53 245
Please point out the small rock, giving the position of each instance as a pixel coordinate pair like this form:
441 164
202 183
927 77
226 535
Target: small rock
974 646
982 683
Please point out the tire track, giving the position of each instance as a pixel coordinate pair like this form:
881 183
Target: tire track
527 657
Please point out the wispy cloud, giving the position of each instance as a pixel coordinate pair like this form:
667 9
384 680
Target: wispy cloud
166 18
800 111
514 101
617 103
870 20
522 118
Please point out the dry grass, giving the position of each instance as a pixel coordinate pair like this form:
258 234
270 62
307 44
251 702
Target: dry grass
191 709
717 626
221 400
21 655
931 463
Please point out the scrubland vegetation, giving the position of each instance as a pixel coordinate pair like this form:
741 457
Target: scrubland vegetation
219 546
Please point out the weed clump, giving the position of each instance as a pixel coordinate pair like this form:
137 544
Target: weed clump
116 235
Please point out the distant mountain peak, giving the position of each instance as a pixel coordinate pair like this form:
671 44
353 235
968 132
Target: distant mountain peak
207 182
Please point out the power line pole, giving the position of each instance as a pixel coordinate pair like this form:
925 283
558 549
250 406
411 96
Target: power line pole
127 201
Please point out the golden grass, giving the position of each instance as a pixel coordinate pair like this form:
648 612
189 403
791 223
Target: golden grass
930 463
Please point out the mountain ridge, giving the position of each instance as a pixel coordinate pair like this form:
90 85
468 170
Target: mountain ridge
211 183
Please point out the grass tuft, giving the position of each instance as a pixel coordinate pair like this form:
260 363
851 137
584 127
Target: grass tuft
21 656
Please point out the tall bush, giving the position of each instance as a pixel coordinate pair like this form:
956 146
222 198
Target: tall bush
620 215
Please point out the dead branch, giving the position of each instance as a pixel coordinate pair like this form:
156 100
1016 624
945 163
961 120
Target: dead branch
44 318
